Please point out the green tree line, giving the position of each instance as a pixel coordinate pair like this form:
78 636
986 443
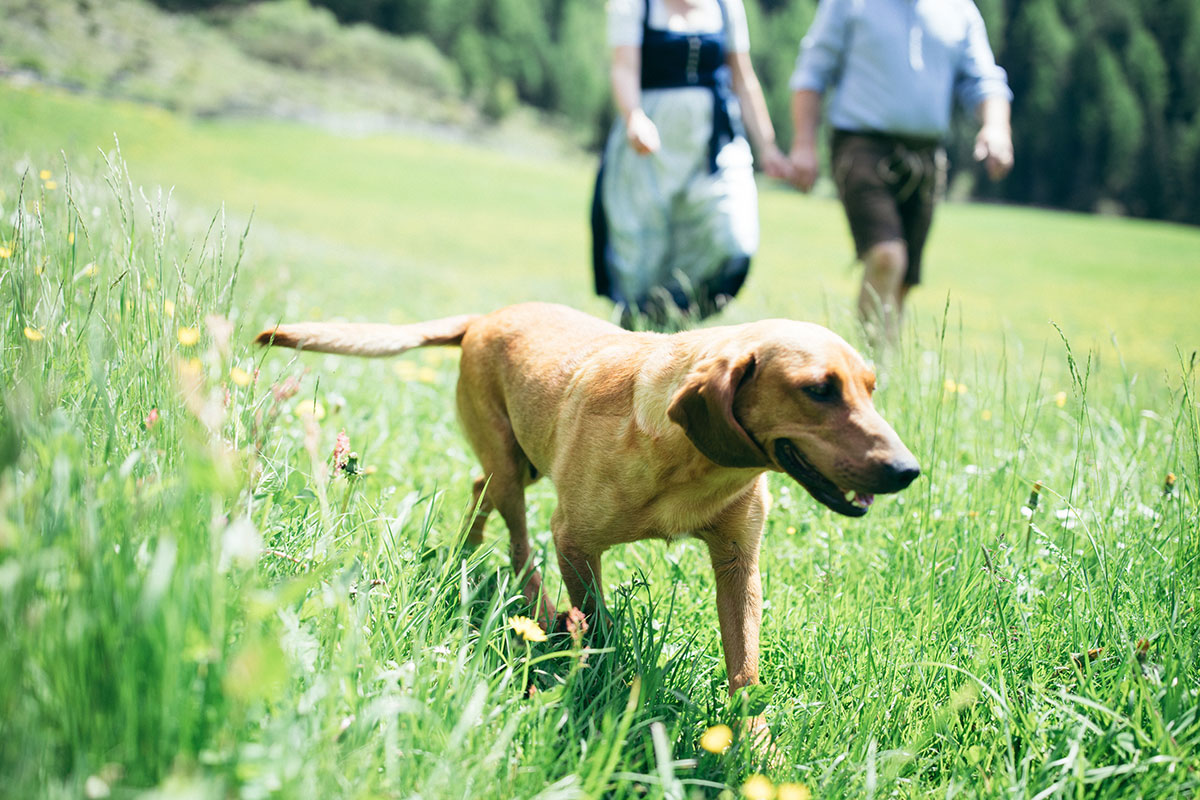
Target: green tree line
1106 110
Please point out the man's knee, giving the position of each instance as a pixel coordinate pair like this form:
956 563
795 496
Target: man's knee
886 262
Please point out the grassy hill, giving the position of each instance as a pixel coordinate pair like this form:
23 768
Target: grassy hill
197 602
282 59
485 227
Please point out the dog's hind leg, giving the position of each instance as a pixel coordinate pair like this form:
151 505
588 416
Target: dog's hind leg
507 472
507 493
481 507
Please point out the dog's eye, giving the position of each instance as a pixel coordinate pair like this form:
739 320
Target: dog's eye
823 392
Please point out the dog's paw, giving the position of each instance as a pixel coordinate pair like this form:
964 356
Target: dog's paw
757 734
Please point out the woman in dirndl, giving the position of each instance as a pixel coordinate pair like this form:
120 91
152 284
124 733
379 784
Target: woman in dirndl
675 212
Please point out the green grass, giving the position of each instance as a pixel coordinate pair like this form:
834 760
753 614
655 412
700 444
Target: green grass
192 604
511 226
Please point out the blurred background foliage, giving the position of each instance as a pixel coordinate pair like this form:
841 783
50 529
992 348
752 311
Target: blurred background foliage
1105 115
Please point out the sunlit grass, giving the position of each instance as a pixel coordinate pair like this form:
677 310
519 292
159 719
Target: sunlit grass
474 229
200 595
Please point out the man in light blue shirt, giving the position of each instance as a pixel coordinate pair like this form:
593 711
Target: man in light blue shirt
895 68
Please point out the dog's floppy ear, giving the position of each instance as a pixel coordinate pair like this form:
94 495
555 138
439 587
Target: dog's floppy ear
703 407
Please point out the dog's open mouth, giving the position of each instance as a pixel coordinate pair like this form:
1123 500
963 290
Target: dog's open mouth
843 501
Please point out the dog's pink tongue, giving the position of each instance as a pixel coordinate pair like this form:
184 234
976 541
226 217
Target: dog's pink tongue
863 500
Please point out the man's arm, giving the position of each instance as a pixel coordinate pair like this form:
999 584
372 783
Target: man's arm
993 143
818 66
983 85
806 114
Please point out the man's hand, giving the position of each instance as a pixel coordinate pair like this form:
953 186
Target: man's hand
805 166
642 133
993 146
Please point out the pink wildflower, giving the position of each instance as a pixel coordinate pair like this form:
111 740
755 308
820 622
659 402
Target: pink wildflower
287 389
577 626
576 623
341 450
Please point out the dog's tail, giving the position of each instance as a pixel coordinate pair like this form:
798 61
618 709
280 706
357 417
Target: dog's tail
367 339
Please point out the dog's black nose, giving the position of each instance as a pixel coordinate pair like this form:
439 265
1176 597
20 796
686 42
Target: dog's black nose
900 473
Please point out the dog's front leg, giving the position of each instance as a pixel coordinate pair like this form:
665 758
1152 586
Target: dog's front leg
739 605
733 544
580 568
734 554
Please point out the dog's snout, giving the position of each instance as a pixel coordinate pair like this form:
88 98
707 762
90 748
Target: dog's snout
900 473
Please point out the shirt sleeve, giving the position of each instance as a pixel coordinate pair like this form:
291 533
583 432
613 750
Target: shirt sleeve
979 77
739 30
821 50
625 22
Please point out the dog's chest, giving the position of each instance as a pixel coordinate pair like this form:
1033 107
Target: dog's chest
681 503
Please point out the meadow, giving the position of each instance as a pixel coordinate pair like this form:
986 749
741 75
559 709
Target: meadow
201 599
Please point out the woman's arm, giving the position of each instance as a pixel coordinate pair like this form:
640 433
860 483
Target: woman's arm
756 116
626 77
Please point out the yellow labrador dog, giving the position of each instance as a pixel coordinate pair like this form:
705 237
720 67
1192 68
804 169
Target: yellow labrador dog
648 435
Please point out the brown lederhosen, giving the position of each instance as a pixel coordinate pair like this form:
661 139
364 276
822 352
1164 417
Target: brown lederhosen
888 186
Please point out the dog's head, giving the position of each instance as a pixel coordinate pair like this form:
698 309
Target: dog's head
796 398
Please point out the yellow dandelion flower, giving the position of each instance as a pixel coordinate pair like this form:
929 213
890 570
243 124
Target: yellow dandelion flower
758 787
188 336
311 408
717 739
987 415
5 252
71 237
89 271
427 374
793 791
191 368
33 334
239 376
1060 399
45 175
961 388
407 370
791 530
950 385
51 185
169 308
529 630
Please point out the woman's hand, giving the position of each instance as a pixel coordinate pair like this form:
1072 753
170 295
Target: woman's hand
642 133
776 165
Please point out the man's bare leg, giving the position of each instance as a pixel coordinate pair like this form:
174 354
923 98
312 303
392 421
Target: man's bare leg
881 298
